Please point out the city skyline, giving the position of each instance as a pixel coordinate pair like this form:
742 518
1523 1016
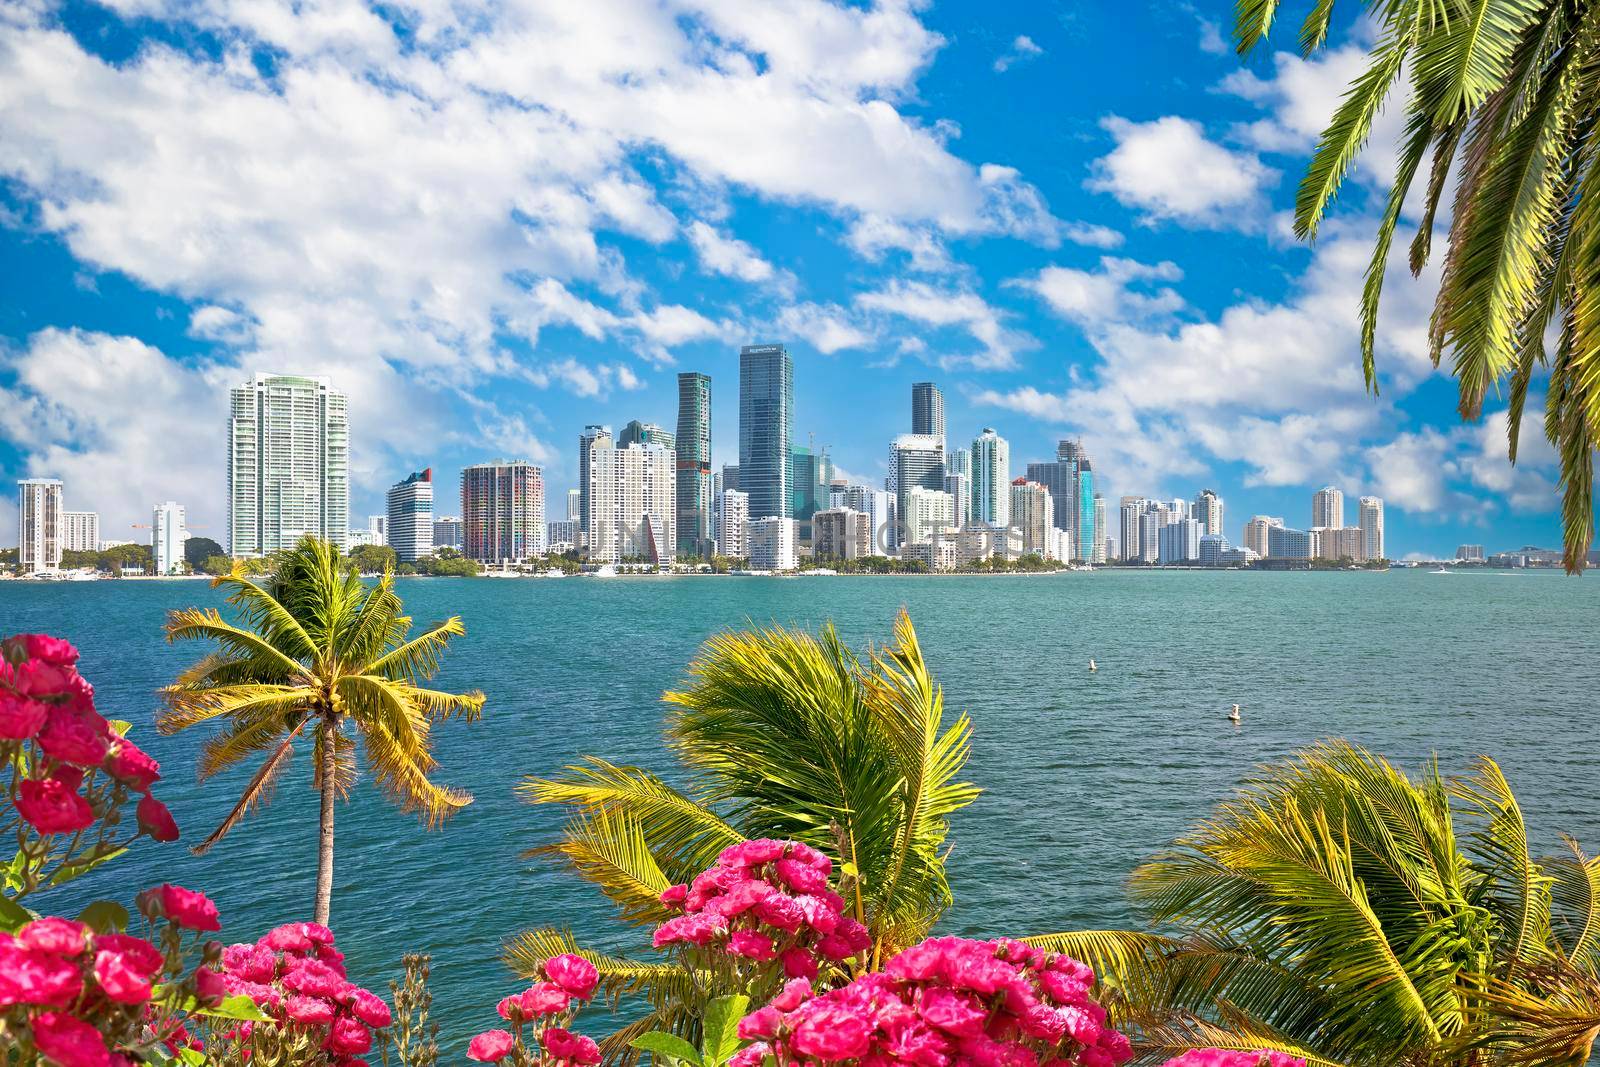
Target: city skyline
1051 280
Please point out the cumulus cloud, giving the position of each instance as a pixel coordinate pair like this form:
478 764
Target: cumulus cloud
1022 49
957 308
723 254
1107 293
1171 171
828 328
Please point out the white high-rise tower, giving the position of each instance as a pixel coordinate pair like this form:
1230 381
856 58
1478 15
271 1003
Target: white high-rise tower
1372 528
991 479
288 464
39 524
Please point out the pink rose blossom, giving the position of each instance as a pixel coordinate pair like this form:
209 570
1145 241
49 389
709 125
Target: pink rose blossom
55 650
491 1046
141 955
28 976
131 765
751 945
290 937
798 963
348 1037
155 820
121 979
189 908
74 734
209 985
544 998
58 936
369 1008
20 716
673 896
51 806
565 1045
69 1042
309 1010
573 973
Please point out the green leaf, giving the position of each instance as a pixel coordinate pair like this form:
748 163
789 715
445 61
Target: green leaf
237 1006
192 1056
721 1026
105 916
13 916
850 870
120 727
80 867
14 869
667 1046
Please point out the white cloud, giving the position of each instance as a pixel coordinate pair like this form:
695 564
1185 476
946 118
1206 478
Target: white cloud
671 325
722 254
952 307
1168 169
1022 48
828 328
873 235
1106 294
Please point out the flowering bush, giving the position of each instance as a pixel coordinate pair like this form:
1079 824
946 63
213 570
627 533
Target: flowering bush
70 769
764 913
83 998
546 1010
1216 1057
313 1014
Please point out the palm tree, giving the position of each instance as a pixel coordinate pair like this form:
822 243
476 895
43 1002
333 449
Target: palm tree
1507 92
316 651
1340 911
781 735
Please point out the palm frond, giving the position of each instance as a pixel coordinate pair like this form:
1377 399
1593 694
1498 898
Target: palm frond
610 851
256 791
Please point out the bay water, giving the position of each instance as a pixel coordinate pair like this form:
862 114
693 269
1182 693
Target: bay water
1084 774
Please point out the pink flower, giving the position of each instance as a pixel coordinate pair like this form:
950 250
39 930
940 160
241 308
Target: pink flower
131 765
369 1008
41 678
58 936
510 1008
52 807
69 1042
74 734
253 963
209 985
798 963
309 1010
832 1031
761 1024
120 978
573 973
140 954
290 937
565 1045
802 877
28 976
491 1046
55 650
672 896
347 1037
835 947
780 911
751 945
20 716
957 1014
795 992
313 978
751 853
543 998
189 908
155 820
751 1055
819 913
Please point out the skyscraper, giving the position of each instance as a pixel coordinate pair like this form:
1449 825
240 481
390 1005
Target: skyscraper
81 531
447 532
575 506
1257 534
927 410
991 478
1208 511
288 464
633 503
695 536
1179 541
1100 553
167 535
959 461
586 441
1033 514
733 515
1084 527
1327 507
39 522
766 425
1129 510
915 460
502 511
409 524
1371 520
809 474
929 513
646 433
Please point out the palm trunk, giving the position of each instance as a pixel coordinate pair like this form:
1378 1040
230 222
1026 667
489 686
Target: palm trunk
325 845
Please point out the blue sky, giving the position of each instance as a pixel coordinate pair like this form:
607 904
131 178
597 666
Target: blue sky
492 226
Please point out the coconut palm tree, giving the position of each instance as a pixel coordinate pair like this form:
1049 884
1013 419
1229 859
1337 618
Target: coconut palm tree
1338 910
1507 92
785 735
316 652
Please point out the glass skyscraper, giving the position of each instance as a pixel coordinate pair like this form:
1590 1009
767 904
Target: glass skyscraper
694 465
586 441
288 464
766 424
991 479
927 410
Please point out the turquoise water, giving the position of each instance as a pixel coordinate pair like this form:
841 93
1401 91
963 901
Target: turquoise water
1084 774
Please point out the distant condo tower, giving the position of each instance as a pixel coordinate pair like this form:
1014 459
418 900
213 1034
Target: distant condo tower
410 521
1371 522
82 531
695 535
39 524
927 410
288 464
991 478
1327 507
167 535
586 442
502 511
766 425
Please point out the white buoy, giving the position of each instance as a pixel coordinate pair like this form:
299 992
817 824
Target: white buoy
1234 716
1092 667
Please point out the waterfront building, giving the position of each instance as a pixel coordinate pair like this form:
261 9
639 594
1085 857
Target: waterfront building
647 433
770 542
695 536
575 506
1336 542
915 460
447 531
975 543
991 479
877 505
729 477
1213 546
1033 518
561 535
1059 476
959 461
841 533
929 513
633 503
1102 551
733 514
591 436
502 511
1327 507
809 474
927 411
939 554
356 538
1370 519
408 528
1084 525
39 524
378 529
1179 541
1151 521
168 532
959 486
288 464
1129 510
1256 533
1286 543
766 426
1207 510
1470 553
80 531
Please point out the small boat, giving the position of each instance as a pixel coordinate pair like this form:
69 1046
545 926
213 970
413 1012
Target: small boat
1092 667
1441 570
1234 716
